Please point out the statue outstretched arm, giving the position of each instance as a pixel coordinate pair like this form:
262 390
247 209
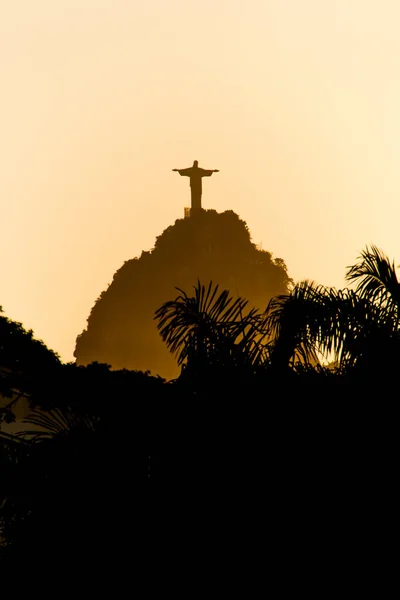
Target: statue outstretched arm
208 172
186 172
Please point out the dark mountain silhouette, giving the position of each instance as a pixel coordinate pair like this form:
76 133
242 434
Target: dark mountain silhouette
121 330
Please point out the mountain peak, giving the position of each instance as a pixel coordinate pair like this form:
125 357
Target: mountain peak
213 246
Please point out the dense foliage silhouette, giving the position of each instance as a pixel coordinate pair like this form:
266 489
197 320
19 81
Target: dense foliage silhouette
23 360
121 330
255 443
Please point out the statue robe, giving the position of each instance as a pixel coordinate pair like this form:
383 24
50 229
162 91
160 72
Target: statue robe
196 174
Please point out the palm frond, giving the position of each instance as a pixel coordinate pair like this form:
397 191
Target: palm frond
54 422
293 322
377 278
208 324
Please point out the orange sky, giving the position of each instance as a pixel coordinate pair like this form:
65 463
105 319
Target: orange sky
295 101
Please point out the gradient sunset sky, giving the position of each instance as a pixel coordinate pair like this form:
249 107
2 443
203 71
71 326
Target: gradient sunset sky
297 102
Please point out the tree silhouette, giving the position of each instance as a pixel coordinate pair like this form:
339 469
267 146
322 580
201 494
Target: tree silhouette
211 328
314 321
20 351
253 432
23 360
354 329
75 481
377 280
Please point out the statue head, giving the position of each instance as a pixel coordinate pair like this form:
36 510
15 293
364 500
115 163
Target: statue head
195 163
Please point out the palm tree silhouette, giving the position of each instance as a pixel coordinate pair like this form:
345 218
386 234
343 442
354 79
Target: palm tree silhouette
353 328
357 327
211 329
377 281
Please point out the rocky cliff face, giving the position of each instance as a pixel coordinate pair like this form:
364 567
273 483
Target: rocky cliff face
121 330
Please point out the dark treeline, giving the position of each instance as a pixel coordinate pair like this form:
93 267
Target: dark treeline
255 443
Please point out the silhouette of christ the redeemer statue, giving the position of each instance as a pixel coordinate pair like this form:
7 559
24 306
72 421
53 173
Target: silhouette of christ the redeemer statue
196 174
